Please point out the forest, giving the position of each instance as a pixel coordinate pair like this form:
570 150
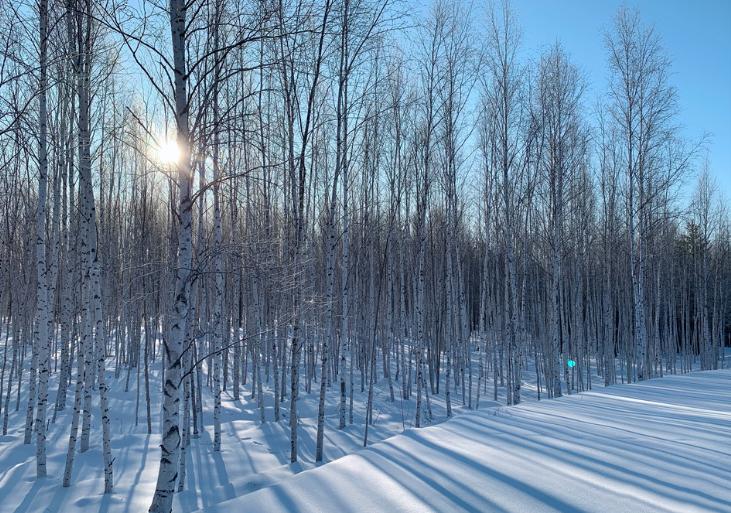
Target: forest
346 202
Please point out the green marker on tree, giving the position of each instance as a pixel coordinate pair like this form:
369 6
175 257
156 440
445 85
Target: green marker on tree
571 363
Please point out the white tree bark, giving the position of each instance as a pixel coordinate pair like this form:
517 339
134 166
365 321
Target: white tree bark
173 344
41 335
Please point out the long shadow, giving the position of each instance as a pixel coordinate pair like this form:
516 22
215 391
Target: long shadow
519 419
105 503
223 478
694 429
30 496
546 462
519 486
571 475
446 490
384 461
281 496
629 450
654 417
580 459
340 502
140 469
601 445
55 503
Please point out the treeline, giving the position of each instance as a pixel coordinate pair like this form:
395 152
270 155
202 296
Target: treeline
320 195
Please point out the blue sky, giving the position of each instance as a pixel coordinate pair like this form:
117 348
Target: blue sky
696 35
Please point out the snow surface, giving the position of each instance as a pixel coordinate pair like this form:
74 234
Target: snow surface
252 456
661 446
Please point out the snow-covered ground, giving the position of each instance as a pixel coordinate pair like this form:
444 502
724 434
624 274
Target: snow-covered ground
252 456
659 446
664 445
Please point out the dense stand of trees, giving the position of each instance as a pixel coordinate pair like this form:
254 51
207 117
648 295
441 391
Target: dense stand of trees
348 196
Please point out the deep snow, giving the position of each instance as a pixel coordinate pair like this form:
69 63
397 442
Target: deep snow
662 446
659 446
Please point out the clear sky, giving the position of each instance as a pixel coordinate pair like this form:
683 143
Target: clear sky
696 34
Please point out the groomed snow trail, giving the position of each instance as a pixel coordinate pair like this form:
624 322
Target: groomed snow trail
660 446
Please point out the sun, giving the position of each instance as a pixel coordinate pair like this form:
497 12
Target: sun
168 152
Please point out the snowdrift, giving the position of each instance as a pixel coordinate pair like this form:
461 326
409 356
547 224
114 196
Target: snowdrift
660 446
